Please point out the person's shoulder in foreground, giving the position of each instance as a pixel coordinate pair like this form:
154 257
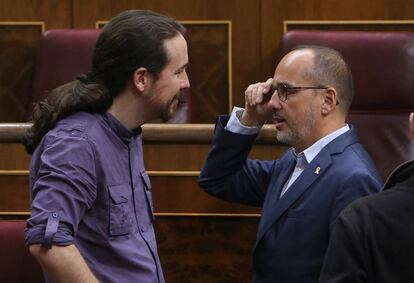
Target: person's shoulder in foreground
372 238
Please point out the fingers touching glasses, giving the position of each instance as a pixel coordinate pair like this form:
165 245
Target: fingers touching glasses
283 90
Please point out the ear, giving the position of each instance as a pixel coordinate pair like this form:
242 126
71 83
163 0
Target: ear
141 79
411 120
329 101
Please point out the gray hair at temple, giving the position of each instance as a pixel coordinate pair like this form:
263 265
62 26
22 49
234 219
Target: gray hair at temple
330 69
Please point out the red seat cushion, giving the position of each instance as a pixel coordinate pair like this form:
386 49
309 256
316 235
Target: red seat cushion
16 263
63 54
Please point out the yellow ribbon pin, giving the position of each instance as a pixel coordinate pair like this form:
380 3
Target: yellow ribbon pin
317 170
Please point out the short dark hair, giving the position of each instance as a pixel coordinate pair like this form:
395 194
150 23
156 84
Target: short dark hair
131 40
330 69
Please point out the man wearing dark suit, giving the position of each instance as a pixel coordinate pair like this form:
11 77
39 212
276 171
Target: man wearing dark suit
302 193
372 239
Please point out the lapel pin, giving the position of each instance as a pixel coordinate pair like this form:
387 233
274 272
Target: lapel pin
317 170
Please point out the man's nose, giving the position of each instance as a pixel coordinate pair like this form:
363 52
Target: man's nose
274 101
185 83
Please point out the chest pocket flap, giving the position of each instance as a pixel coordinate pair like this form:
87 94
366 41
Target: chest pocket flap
120 221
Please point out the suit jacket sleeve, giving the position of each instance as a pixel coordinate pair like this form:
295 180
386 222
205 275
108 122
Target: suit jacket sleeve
228 174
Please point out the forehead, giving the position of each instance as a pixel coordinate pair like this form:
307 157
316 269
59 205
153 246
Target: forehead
176 48
294 66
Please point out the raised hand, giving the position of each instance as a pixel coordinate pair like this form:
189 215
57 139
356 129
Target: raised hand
257 109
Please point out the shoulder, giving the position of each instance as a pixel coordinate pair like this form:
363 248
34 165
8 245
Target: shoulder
351 157
355 162
403 173
81 125
375 207
355 171
81 122
71 133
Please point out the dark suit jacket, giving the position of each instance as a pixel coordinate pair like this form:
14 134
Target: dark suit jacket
294 230
372 239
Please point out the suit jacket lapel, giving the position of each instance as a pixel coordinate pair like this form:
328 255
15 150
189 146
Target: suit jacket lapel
282 178
278 206
274 210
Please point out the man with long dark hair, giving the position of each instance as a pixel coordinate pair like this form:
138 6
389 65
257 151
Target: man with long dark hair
92 214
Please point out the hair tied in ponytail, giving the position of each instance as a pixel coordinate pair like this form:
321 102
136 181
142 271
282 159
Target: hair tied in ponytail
86 78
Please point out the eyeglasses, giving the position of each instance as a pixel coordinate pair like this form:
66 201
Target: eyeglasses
283 90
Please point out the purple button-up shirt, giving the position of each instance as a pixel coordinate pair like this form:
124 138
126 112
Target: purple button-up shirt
89 188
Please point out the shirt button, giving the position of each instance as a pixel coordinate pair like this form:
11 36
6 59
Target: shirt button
55 214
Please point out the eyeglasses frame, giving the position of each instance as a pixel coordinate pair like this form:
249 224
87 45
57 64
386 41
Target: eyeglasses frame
284 97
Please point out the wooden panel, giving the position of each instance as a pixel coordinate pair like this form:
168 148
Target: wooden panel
191 157
350 25
17 67
19 38
181 194
14 193
55 14
13 157
209 69
206 249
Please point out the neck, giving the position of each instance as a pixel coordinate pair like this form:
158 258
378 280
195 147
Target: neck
332 127
318 132
128 108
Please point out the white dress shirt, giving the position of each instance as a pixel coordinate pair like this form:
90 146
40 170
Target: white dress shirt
306 156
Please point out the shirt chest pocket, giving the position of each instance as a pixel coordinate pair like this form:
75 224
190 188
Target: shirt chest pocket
120 221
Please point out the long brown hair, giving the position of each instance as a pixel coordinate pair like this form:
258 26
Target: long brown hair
131 40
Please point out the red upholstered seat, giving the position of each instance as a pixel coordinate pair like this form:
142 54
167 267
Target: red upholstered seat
16 263
63 54
66 53
382 65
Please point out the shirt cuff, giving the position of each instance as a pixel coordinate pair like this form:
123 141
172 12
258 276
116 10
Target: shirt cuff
234 125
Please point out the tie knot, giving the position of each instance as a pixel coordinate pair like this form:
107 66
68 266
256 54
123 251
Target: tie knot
301 161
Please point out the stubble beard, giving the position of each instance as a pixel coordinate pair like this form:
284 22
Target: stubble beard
297 131
169 112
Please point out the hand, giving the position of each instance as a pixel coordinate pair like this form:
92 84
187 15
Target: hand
257 110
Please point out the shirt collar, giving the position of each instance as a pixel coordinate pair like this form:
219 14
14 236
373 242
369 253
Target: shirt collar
124 133
311 152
